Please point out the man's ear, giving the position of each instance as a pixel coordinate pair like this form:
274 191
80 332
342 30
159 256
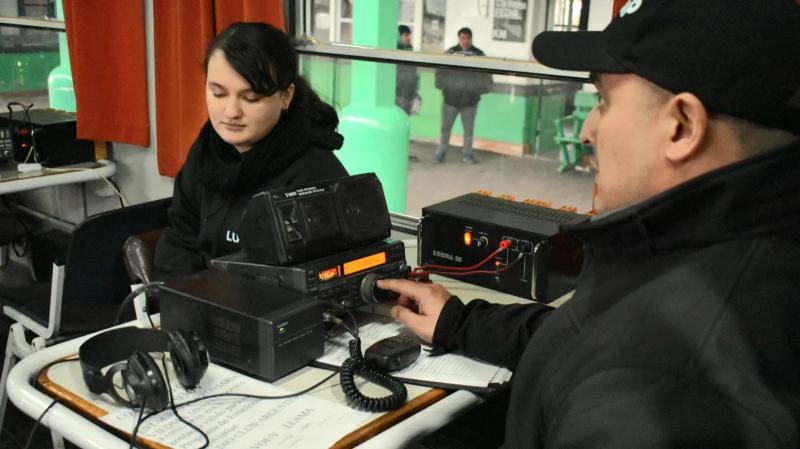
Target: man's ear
689 127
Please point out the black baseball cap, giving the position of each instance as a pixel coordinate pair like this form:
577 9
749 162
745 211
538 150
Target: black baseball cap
739 57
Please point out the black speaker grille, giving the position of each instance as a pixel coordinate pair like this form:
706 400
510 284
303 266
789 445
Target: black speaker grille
226 336
518 209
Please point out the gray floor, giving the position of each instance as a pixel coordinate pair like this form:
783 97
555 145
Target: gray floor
522 177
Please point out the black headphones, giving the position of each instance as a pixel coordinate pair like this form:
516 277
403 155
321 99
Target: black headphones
141 378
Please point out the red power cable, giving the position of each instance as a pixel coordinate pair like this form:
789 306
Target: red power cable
425 270
503 246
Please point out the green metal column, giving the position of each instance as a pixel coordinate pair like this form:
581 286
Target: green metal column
59 83
374 129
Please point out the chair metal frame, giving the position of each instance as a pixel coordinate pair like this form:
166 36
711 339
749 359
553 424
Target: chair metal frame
584 103
18 347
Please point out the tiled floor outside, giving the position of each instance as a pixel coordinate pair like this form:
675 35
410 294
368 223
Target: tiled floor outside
522 177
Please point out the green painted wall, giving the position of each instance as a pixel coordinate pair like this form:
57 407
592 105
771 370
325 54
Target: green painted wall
329 79
501 117
60 88
376 132
20 72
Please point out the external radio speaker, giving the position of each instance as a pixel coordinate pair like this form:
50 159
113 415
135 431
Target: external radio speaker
291 225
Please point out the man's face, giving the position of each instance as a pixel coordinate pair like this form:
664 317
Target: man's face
628 136
465 41
405 38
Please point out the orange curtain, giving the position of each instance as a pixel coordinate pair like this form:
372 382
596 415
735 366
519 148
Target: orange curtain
183 31
107 52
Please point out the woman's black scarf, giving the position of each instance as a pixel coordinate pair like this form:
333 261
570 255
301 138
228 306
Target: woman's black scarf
223 169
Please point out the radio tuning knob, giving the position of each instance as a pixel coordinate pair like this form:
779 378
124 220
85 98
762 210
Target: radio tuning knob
371 293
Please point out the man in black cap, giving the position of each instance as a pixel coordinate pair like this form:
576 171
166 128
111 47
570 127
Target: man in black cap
683 329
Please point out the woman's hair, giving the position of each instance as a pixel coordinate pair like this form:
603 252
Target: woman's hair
265 57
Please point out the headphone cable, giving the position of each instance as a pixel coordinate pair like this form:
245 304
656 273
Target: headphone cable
242 395
52 404
138 423
175 410
39 420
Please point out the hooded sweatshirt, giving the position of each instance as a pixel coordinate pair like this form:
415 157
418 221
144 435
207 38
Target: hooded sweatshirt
216 182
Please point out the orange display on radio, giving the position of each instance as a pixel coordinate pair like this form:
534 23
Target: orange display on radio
364 263
329 273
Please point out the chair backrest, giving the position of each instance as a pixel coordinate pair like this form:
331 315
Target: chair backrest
584 102
95 271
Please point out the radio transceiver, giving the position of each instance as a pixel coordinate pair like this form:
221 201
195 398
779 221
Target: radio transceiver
335 279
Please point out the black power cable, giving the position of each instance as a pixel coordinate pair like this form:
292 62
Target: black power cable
148 289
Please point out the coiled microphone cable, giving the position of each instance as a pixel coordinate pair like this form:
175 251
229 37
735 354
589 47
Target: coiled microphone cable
356 365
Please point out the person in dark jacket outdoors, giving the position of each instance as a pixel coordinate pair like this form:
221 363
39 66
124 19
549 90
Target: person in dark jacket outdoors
266 128
407 77
683 329
462 90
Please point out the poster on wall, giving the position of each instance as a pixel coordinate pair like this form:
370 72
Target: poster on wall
433 14
509 20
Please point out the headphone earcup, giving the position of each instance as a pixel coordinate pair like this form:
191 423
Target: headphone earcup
189 357
144 382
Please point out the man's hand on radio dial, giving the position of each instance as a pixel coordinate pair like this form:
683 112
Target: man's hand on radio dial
418 306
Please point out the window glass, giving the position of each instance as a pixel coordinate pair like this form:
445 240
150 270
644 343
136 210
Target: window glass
406 13
513 139
566 15
27 57
347 9
321 20
500 28
433 21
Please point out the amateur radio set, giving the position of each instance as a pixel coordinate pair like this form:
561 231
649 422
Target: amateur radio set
343 278
42 135
296 224
304 249
321 239
529 257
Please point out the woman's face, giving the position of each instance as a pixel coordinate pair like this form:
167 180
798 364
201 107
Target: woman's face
240 116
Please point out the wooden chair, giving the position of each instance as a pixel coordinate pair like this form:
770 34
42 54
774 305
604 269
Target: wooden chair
584 103
86 289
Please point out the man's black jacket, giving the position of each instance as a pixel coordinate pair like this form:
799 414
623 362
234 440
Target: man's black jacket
683 331
463 88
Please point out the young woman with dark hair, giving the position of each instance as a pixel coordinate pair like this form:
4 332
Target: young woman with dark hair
266 128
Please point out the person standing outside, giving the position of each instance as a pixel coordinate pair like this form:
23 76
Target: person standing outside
407 78
462 91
